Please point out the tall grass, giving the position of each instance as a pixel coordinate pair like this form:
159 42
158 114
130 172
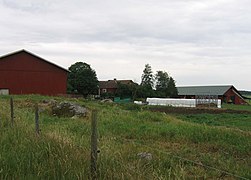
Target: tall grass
62 151
25 155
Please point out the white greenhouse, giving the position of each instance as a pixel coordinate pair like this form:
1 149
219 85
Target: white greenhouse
177 102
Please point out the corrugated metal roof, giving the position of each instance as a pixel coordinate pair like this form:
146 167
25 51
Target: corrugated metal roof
203 90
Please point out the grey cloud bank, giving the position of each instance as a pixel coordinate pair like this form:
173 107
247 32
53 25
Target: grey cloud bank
197 41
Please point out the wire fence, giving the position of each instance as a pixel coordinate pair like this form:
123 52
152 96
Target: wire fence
129 167
224 172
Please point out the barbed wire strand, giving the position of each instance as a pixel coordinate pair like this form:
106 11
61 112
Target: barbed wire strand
188 160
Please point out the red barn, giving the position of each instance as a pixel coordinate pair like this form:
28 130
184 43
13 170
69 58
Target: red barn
227 94
22 72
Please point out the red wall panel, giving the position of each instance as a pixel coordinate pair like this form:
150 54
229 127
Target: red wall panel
23 73
237 99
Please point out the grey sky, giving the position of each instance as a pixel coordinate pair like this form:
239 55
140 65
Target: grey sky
199 42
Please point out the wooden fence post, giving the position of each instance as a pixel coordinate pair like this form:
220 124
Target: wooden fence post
12 111
37 120
94 142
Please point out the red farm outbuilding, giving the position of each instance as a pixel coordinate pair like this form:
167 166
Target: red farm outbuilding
227 94
22 72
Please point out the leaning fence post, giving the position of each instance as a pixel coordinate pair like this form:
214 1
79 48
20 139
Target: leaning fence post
37 120
94 141
11 111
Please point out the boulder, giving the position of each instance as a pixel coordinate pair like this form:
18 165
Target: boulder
49 102
145 155
68 109
106 101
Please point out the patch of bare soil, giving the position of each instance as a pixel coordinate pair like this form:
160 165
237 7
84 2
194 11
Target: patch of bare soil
182 110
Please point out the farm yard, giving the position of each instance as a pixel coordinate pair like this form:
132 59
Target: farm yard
135 142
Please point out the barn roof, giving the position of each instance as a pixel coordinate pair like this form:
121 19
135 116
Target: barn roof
25 51
203 90
113 83
107 84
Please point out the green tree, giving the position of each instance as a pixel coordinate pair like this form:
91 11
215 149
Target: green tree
82 79
165 85
127 90
162 80
172 89
144 92
147 81
147 77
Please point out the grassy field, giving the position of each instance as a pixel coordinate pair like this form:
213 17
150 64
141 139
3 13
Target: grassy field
233 121
182 146
237 107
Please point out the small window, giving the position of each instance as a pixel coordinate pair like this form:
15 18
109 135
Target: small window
104 90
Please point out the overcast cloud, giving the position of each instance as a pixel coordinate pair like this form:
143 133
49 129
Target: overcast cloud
199 42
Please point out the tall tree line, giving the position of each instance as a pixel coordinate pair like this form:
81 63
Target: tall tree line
160 84
82 79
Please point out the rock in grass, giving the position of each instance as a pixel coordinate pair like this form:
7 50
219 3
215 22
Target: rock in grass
145 155
68 109
106 101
